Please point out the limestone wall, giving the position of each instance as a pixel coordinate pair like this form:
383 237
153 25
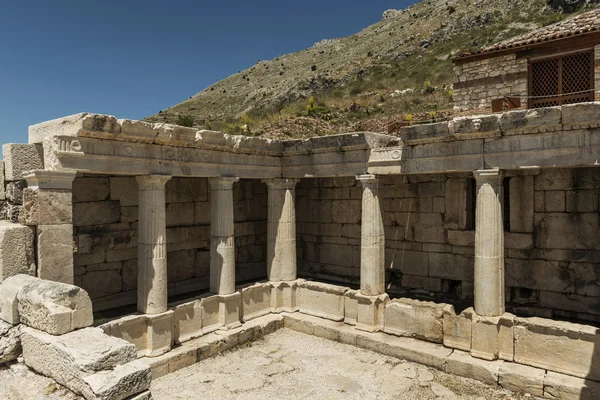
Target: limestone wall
477 83
551 247
105 214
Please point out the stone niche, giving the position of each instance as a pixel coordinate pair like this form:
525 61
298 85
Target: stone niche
105 215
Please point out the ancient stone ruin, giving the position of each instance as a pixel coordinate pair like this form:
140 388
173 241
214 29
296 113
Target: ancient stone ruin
186 243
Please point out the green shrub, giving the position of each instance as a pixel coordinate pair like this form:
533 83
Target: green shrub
185 120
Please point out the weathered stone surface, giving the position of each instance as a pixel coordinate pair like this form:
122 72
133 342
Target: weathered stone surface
96 213
20 158
256 301
125 190
457 328
124 381
557 346
485 332
160 333
462 364
187 319
521 378
10 342
53 307
518 121
46 207
567 231
9 289
65 126
102 283
14 191
55 253
90 189
87 362
321 300
414 318
16 250
559 386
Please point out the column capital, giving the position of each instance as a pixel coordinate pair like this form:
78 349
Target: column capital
281 183
43 179
368 180
489 175
223 183
149 182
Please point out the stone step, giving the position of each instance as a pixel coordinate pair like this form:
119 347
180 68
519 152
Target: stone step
88 362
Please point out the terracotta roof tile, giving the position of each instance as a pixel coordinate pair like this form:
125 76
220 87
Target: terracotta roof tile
579 24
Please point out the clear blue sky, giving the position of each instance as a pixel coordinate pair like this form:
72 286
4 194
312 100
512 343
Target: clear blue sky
134 58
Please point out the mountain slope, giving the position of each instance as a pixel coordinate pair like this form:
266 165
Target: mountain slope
360 81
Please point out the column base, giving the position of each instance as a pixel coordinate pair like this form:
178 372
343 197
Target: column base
229 310
284 296
370 312
159 333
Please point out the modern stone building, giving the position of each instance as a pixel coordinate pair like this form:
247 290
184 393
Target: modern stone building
469 245
547 67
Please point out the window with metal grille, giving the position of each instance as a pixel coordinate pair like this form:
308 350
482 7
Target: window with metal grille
560 80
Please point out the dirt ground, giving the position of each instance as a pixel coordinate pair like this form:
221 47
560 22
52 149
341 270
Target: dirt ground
292 365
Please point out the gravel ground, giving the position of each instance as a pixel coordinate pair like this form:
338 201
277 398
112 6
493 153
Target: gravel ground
292 365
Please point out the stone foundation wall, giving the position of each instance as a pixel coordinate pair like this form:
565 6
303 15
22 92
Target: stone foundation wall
477 83
552 255
105 215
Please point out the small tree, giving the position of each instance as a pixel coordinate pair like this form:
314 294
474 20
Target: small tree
185 120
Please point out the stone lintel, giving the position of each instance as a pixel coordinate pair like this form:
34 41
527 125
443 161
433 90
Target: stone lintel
44 179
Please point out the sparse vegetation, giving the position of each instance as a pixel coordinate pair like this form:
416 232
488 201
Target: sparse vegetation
393 69
185 120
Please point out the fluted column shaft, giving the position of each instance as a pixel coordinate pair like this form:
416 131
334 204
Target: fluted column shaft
152 245
222 247
281 233
372 248
489 244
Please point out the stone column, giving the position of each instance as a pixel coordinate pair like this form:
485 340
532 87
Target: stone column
222 248
489 244
47 205
152 245
372 248
281 234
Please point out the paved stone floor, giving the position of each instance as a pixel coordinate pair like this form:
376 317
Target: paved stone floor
291 365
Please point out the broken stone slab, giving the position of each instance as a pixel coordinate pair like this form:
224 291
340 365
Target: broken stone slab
9 289
19 159
54 307
16 250
414 318
425 133
94 125
124 381
10 342
55 253
541 120
477 125
87 362
575 116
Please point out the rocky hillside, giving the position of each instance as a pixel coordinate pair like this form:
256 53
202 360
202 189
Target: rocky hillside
398 68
